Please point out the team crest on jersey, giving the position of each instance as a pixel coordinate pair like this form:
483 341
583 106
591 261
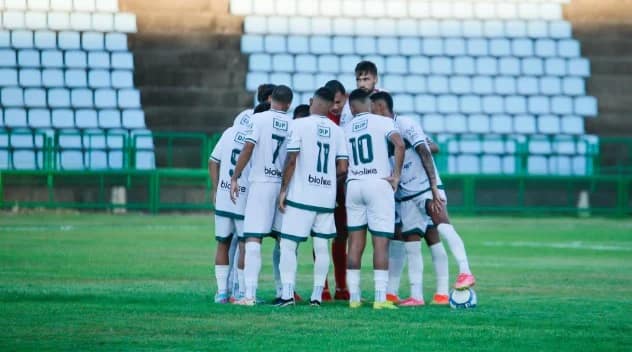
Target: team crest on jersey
280 124
324 131
360 125
240 138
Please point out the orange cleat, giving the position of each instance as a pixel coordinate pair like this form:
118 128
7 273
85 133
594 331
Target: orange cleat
392 298
440 300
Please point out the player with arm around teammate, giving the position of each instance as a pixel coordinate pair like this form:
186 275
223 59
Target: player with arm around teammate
316 158
370 200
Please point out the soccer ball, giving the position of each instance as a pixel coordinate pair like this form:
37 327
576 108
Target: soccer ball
461 299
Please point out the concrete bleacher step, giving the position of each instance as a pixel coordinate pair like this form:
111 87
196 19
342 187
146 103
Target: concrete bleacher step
190 78
193 97
198 119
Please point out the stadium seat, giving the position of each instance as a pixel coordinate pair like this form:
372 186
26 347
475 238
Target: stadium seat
22 39
80 21
99 79
251 44
122 60
585 106
537 165
45 40
548 124
52 58
478 124
343 45
509 66
76 78
482 85
578 67
275 44
129 98
62 118
572 124
28 58
573 86
30 78
455 123
477 47
15 118
365 45
527 85
133 119
404 103
8 77
545 48
92 41
115 42
98 59
460 84
525 124
81 98
125 22
122 79
58 98
309 63
69 40
438 85
34 98
109 118
464 65
493 104
75 59
433 123
86 118
328 64
59 21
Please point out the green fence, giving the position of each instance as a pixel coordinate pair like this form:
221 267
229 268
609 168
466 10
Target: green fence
189 190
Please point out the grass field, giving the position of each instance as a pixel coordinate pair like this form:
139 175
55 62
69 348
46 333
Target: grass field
86 282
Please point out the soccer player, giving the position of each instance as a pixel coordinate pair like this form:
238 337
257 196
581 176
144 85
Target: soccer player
301 111
316 158
370 201
339 244
228 215
423 198
266 146
366 79
264 92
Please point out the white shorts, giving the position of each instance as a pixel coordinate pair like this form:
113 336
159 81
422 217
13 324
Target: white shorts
262 217
371 203
226 227
414 216
298 224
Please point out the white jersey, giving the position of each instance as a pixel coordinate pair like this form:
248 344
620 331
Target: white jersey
367 142
346 116
226 153
243 119
414 180
269 132
319 143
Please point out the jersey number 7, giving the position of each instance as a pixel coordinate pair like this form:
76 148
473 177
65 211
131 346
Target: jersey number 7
279 140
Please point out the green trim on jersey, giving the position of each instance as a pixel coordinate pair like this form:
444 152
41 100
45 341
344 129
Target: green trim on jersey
357 228
215 160
308 207
415 231
293 150
326 236
251 140
221 239
413 196
382 234
292 238
227 214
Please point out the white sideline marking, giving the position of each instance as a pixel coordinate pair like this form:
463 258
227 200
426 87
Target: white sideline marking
561 245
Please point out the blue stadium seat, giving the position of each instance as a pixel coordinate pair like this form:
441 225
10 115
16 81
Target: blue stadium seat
447 104
28 58
307 63
396 64
8 77
52 59
378 60
432 46
501 124
425 103
96 159
585 106
524 124
410 46
429 28
387 46
365 45
35 98
260 62
568 48
105 98
254 79
550 86
59 98
21 39
419 65
81 98
394 84
343 26
537 29
92 41
559 29
505 85
537 165
500 47
472 28
303 82
572 124
515 104
555 67
441 65
128 98
493 104
532 66
69 40
122 79
578 67
573 86
255 25
275 44
539 105
539 144
455 123
487 66
122 61
63 118
15 118
52 78
438 84
343 45
477 47
76 78
86 118
133 119
71 160
562 105
45 40
545 48
455 47
116 42
482 85
281 78
99 79
527 85
464 65
470 104
460 84
251 44
300 25
8 58
433 123
109 118
30 78
329 64
415 84
515 29
491 164
297 44
98 59
478 124
404 103
75 59
548 124
27 159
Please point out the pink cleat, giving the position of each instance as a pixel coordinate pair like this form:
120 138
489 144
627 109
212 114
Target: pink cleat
464 281
412 302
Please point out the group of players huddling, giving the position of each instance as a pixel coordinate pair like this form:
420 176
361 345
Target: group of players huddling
342 165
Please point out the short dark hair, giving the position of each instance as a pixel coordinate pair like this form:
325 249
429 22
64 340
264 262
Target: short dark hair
282 94
301 111
265 106
384 96
358 94
325 93
366 67
264 91
336 86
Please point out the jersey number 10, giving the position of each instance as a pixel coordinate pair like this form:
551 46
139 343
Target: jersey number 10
362 149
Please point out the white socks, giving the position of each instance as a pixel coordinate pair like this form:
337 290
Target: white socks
288 267
381 279
396 256
353 283
221 276
440 262
276 260
242 283
232 275
252 267
234 272
415 269
456 245
321 266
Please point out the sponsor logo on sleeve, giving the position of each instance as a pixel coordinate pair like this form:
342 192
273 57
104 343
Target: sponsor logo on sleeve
240 138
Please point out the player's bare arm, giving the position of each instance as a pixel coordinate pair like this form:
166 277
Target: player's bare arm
244 159
426 160
398 143
288 173
213 171
434 147
342 166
